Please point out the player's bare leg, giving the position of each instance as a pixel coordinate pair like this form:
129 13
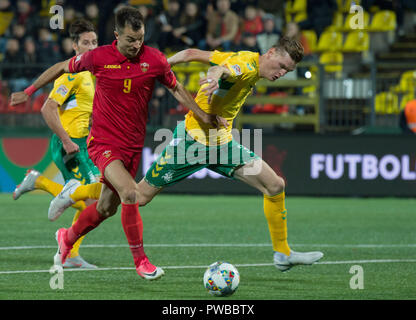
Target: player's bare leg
127 190
261 176
108 202
146 192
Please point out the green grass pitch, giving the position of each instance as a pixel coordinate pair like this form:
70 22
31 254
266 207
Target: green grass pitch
184 234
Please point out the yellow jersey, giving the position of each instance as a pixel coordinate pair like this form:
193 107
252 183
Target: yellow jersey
228 99
74 92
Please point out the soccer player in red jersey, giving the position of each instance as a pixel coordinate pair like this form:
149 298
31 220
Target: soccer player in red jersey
125 72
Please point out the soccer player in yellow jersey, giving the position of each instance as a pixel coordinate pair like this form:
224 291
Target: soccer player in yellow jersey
227 84
67 112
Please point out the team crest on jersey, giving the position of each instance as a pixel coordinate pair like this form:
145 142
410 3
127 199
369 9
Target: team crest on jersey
144 66
107 154
237 69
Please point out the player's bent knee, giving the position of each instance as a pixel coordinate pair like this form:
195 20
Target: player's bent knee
277 185
106 212
107 209
128 196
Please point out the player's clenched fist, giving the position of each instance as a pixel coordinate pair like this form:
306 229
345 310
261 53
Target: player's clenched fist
18 98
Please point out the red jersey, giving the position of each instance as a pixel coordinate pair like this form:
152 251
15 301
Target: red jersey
124 88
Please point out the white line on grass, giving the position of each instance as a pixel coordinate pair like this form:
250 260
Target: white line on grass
203 267
181 245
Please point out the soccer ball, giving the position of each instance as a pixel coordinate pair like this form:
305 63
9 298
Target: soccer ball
221 279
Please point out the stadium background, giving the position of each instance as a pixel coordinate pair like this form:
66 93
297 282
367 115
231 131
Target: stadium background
345 99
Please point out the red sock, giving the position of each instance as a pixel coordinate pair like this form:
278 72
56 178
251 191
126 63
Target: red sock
88 220
133 228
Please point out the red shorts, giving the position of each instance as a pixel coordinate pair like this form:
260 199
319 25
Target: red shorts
103 154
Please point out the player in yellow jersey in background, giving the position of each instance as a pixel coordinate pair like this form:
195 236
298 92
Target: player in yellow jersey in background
67 112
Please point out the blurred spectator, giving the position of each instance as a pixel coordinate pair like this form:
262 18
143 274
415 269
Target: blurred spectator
106 21
151 34
69 16
30 57
27 16
157 104
222 27
19 33
276 8
248 43
169 21
252 21
269 36
191 29
106 29
11 73
48 49
293 31
92 13
67 51
320 14
12 55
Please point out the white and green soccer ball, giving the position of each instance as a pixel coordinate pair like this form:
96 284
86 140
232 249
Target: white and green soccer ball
221 279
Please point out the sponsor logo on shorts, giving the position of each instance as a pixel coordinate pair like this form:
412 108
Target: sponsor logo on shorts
168 176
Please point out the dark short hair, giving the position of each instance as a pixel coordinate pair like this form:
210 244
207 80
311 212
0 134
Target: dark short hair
292 46
78 27
128 15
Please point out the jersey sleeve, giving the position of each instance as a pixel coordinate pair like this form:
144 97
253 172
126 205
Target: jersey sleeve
63 88
82 62
167 76
240 67
218 57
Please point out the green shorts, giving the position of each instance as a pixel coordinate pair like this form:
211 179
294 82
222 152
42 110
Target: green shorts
79 166
185 156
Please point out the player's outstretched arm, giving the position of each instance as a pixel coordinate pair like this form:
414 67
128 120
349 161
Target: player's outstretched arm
186 99
47 76
189 55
